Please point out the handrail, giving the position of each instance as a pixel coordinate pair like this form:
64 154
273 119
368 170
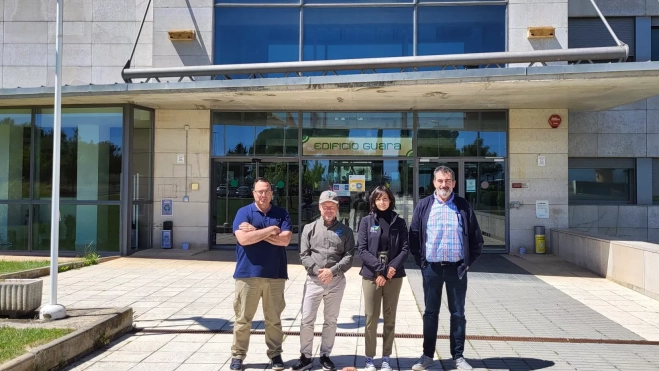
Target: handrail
472 60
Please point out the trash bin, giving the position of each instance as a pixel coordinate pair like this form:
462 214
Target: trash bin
167 235
539 239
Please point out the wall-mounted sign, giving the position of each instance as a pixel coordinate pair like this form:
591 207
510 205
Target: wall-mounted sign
541 160
471 185
356 146
554 121
342 190
166 207
542 209
180 158
357 183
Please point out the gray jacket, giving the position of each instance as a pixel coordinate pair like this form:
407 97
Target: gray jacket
330 247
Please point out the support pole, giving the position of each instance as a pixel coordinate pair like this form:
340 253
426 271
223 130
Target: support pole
54 310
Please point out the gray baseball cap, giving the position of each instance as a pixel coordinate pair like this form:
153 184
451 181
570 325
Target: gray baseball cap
329 196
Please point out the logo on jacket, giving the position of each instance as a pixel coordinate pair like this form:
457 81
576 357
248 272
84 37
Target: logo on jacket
375 229
339 232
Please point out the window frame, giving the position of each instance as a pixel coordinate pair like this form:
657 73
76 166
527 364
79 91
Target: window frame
604 163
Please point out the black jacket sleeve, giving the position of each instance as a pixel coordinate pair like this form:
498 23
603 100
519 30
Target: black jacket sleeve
368 259
414 237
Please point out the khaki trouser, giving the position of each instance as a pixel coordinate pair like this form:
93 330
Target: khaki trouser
374 296
331 295
248 293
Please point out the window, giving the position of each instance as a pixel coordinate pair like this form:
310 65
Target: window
461 29
15 129
601 180
655 43
342 33
256 35
655 181
255 133
591 32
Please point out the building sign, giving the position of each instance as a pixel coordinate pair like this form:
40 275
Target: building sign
357 183
356 146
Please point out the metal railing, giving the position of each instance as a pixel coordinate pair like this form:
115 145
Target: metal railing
372 65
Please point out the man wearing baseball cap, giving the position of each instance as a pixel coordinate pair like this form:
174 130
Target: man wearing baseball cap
326 251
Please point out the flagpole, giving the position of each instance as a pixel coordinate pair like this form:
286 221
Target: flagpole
54 310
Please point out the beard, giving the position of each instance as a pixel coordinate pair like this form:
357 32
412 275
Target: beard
444 192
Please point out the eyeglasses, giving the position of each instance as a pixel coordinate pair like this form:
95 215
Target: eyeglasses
265 192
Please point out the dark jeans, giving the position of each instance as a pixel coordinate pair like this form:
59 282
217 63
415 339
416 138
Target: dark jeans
434 277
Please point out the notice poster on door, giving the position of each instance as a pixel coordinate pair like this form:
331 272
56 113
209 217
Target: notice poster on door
343 190
357 183
471 185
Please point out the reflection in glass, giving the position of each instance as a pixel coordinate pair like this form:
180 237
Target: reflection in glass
81 227
15 130
345 33
318 176
600 185
250 133
14 221
655 44
485 190
91 153
461 29
255 35
141 228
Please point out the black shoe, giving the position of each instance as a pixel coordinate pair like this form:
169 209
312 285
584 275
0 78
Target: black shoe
236 364
327 364
303 363
277 363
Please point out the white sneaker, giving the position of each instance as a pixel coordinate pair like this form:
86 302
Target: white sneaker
423 363
385 364
369 366
462 364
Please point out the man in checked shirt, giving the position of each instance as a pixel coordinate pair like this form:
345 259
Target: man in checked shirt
445 240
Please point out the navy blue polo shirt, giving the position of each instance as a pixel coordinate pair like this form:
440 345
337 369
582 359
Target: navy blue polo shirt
261 259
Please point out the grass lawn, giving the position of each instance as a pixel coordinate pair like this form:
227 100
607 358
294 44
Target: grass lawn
15 342
8 266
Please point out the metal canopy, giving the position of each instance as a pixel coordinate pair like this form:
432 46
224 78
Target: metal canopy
578 87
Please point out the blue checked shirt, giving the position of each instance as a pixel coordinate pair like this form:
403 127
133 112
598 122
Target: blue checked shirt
444 230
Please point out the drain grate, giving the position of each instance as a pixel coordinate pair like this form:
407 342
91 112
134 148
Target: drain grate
152 330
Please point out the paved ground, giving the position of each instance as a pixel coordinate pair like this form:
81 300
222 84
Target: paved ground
535 296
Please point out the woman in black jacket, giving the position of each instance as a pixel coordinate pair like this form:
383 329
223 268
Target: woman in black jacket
383 247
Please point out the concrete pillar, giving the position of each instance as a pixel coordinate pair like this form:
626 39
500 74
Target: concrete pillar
536 13
191 218
530 137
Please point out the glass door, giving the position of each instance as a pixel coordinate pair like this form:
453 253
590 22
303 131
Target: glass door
485 190
365 175
482 183
232 183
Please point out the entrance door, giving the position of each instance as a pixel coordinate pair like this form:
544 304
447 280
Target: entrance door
321 175
482 183
232 183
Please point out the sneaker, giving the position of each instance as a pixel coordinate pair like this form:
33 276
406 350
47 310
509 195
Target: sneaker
385 364
369 365
277 363
423 363
236 364
461 364
303 363
327 364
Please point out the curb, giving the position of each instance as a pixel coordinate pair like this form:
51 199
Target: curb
45 271
62 351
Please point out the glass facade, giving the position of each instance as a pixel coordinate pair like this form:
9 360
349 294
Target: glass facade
601 185
256 31
305 153
93 149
